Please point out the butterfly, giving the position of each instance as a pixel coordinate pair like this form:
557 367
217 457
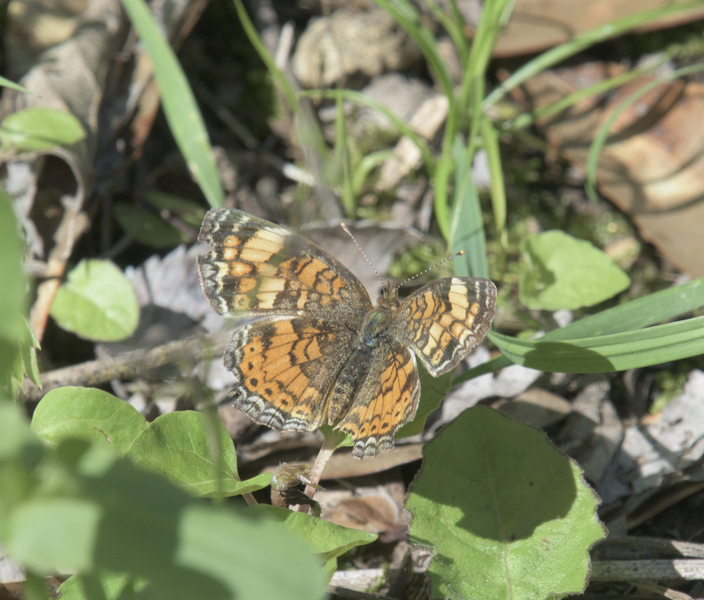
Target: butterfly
316 350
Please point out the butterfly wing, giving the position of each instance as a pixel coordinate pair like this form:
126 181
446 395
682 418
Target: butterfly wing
444 320
285 368
257 268
387 399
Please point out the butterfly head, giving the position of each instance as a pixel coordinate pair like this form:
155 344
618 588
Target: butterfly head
388 297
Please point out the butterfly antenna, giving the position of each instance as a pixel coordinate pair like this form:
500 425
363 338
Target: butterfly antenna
348 232
443 261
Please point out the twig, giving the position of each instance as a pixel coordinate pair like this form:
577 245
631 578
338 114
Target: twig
73 224
638 570
127 365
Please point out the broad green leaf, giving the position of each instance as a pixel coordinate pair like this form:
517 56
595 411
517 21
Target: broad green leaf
73 524
506 514
148 228
176 445
321 537
97 302
180 107
103 513
112 585
256 558
564 272
12 297
179 445
14 432
39 128
89 414
25 364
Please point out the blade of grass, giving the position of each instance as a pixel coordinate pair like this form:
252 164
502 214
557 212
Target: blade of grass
365 166
400 124
603 132
180 107
582 41
616 352
467 229
494 18
407 17
14 86
454 25
632 316
347 196
527 119
498 191
277 75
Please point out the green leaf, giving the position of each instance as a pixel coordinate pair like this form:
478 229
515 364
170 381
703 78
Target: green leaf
100 513
97 302
147 228
180 107
564 272
14 433
178 445
87 414
321 537
39 128
12 297
73 524
506 514
26 363
112 584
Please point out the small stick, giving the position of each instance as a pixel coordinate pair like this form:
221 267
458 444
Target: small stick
127 365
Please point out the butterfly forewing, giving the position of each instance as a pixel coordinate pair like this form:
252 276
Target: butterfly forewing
258 268
445 319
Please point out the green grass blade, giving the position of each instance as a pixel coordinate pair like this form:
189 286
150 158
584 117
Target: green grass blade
494 17
601 137
453 24
279 78
369 162
632 316
14 86
600 354
467 228
498 191
642 312
400 124
180 107
527 119
342 158
582 41
407 17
